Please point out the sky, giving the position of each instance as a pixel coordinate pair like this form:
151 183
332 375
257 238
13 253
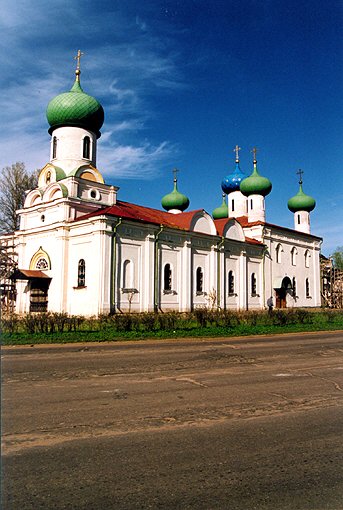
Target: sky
182 82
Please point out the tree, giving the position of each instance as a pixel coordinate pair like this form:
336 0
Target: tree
337 257
14 181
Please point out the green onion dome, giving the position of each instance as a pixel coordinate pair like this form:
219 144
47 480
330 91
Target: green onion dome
175 200
301 201
222 211
255 184
75 108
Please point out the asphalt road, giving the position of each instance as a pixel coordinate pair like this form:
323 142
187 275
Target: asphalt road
253 423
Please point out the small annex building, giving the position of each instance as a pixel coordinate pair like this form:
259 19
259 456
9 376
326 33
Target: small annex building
83 250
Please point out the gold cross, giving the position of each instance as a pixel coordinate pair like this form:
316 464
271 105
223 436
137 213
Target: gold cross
254 151
78 58
175 171
300 173
236 150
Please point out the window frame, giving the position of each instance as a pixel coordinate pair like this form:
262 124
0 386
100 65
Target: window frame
81 273
199 280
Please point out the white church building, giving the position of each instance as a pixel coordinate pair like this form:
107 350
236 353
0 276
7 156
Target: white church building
82 250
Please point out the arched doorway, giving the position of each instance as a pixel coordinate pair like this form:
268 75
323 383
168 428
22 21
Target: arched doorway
281 286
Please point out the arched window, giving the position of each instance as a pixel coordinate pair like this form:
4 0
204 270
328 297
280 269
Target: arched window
253 284
298 219
86 147
81 273
307 287
199 280
167 278
127 274
307 258
231 283
54 147
251 204
294 288
232 205
278 251
42 263
293 256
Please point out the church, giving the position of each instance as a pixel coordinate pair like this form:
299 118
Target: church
84 251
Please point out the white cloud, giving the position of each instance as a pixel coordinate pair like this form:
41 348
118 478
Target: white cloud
39 43
132 162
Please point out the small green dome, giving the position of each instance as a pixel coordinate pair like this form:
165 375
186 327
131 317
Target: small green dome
255 184
222 211
175 200
75 108
301 202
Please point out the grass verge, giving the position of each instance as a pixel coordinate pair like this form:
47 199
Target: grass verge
52 328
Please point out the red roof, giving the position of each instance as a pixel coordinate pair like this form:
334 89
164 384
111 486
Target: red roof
144 214
28 274
243 220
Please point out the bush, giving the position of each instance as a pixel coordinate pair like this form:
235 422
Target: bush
148 321
167 321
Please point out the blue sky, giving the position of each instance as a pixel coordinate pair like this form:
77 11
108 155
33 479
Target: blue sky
183 82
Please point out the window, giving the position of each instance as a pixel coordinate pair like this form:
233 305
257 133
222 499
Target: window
298 219
48 178
293 256
81 273
231 283
199 280
278 251
307 258
307 287
54 147
86 147
251 204
253 284
167 277
294 288
127 274
42 263
232 205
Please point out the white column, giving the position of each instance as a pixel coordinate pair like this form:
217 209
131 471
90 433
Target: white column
69 148
256 208
148 274
243 286
237 204
302 221
186 277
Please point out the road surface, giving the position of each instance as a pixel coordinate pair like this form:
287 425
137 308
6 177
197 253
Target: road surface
241 423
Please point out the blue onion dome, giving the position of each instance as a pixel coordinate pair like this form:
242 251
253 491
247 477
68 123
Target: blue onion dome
175 199
301 201
222 211
75 108
232 181
255 184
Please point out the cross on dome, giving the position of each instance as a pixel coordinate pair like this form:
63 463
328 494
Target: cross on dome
300 173
254 151
175 172
236 150
78 61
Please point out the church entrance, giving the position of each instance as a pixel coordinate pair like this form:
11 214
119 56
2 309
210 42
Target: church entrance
38 286
39 295
280 301
281 287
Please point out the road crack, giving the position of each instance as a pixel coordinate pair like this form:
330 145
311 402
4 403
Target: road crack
191 381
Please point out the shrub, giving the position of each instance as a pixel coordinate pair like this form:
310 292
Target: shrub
148 321
167 321
201 315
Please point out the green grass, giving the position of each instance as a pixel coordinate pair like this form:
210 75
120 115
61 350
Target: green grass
60 328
